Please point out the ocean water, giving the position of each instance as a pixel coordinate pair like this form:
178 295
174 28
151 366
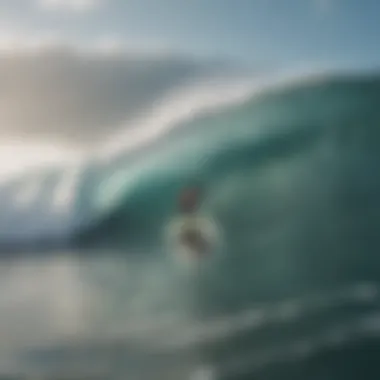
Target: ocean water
290 173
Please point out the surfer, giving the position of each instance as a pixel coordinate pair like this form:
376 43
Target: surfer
188 201
191 233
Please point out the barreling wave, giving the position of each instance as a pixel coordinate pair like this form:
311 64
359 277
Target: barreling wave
270 155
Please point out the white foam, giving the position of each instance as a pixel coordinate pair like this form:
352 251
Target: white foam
19 157
27 193
65 192
184 255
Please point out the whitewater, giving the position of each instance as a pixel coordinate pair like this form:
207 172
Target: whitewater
288 163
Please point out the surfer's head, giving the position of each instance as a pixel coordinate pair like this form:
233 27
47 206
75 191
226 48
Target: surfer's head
189 199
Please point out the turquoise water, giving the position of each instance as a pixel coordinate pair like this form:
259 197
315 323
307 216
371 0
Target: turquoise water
291 176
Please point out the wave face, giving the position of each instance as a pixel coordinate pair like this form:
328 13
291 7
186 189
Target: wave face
301 158
291 176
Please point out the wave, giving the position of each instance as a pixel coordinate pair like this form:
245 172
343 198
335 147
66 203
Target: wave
308 127
257 148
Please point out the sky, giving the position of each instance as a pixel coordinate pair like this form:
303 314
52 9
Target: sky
266 32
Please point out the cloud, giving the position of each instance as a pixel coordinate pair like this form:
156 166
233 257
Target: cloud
69 5
55 92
